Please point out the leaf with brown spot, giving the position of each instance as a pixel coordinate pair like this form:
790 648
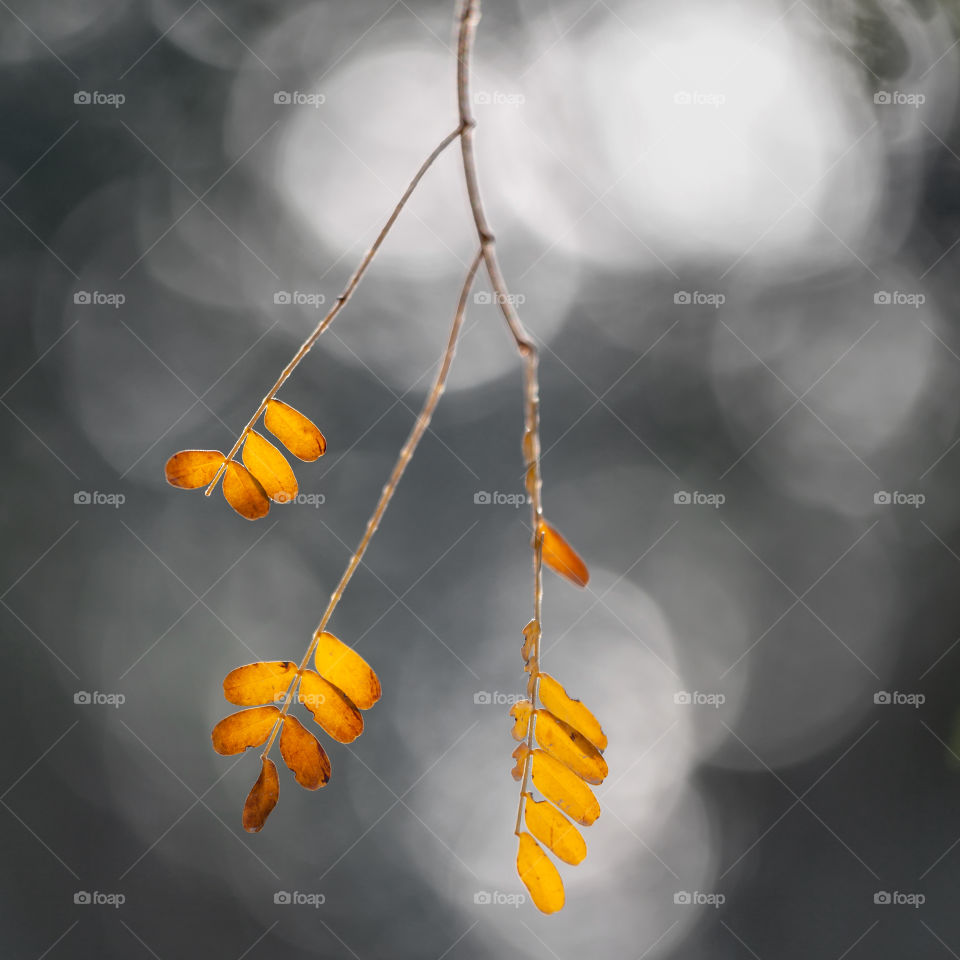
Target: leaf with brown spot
302 753
331 707
520 712
539 875
564 788
570 747
554 830
560 557
244 492
345 668
298 434
262 797
190 469
254 683
245 728
270 467
571 711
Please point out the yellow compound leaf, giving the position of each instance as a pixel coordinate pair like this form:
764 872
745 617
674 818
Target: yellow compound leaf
298 434
554 830
270 467
244 492
520 712
560 557
571 711
539 875
345 668
190 469
245 728
520 755
331 707
570 747
302 753
265 682
262 797
564 788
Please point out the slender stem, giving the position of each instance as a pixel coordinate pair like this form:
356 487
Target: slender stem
469 17
404 457
339 303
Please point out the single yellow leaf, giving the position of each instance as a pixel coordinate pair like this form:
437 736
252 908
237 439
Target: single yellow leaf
262 797
270 467
520 712
554 830
193 468
570 747
539 875
244 492
331 707
520 755
571 711
564 788
560 557
245 728
298 434
345 668
254 683
302 753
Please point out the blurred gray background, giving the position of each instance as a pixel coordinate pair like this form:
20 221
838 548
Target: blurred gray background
733 227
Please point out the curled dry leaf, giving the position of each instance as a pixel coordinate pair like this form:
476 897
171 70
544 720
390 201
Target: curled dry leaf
190 469
564 788
331 707
302 753
254 683
570 747
262 797
298 434
554 830
270 468
244 492
531 634
539 875
345 668
560 557
520 755
520 712
571 711
246 728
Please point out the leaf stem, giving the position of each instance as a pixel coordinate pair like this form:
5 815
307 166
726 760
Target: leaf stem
404 457
469 17
339 303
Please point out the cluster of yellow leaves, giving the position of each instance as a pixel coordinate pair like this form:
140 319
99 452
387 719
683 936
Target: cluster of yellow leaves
265 474
342 685
568 757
